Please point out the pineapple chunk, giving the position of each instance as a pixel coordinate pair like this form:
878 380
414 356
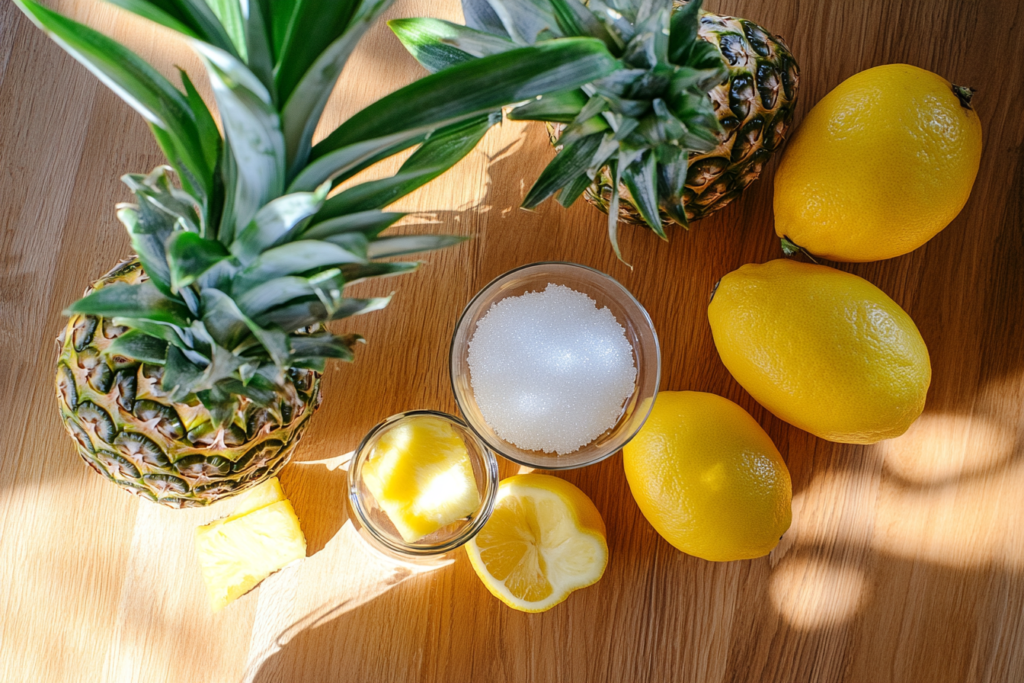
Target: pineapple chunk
258 497
421 476
255 498
236 554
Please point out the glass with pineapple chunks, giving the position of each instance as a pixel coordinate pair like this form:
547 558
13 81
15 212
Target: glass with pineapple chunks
421 484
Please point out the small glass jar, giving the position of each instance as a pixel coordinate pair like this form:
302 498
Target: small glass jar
607 293
375 527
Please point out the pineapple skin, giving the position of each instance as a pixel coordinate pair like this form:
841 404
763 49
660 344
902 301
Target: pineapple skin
755 107
127 429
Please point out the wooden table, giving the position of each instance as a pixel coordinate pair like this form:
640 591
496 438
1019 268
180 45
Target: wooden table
905 561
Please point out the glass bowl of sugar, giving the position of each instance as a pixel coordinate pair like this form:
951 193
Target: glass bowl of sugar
555 365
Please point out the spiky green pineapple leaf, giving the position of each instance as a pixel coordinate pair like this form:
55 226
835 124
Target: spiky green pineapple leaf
276 222
304 101
163 15
189 256
221 403
615 167
211 143
291 259
324 345
225 320
369 223
143 301
442 150
229 15
575 19
181 375
191 18
259 54
563 107
525 21
358 273
149 247
481 16
400 245
346 161
574 159
438 44
313 26
641 179
673 163
139 345
312 310
475 88
252 128
138 84
282 290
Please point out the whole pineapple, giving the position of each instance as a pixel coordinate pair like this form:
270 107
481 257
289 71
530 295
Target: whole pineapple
699 105
188 372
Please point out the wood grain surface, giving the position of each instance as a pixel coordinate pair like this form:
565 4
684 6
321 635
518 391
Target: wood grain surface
905 561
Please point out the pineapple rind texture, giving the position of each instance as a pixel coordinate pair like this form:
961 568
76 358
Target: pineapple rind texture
755 107
237 555
127 428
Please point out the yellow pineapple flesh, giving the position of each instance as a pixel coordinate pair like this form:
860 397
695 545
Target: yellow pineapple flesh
421 475
259 538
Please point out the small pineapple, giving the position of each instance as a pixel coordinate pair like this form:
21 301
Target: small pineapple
699 105
188 373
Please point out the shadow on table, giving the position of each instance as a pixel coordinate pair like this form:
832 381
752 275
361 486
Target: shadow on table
924 592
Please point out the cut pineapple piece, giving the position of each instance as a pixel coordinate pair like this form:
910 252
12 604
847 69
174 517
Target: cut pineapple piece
421 475
254 499
237 554
261 496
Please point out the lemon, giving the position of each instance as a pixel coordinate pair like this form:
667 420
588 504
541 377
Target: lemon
544 540
708 478
879 166
421 475
824 350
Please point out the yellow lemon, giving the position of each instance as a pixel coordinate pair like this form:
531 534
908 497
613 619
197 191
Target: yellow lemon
824 350
544 540
708 478
879 166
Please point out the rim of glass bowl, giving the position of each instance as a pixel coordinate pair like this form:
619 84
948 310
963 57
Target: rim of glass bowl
468 532
497 448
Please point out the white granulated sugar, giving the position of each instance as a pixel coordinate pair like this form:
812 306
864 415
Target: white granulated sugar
551 372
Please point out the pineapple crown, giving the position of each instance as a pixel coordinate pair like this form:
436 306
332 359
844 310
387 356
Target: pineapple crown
641 122
251 253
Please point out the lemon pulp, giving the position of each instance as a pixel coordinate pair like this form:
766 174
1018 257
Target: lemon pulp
544 540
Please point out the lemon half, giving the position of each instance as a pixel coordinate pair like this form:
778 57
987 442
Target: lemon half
544 540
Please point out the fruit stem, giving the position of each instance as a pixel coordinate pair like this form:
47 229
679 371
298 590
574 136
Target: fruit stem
964 94
791 248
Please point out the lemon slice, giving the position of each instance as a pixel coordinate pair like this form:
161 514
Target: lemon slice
544 540
421 476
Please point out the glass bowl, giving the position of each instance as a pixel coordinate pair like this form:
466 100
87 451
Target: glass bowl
373 523
608 294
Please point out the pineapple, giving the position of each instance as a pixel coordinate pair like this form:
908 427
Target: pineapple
421 475
260 537
189 372
698 107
